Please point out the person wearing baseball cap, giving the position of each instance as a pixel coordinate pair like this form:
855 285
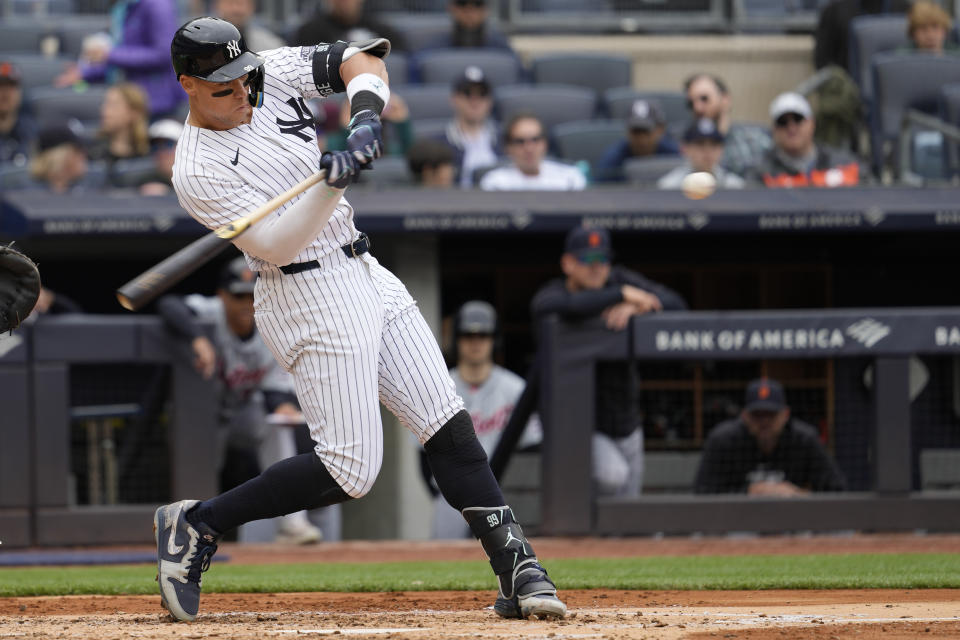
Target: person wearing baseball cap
60 164
472 133
593 290
646 136
766 451
163 136
490 393
703 146
796 160
17 128
227 348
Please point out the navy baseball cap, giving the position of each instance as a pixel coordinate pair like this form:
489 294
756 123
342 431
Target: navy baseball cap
589 245
764 394
236 277
703 129
476 317
645 115
472 76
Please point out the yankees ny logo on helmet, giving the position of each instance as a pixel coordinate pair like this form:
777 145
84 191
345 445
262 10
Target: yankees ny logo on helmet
233 47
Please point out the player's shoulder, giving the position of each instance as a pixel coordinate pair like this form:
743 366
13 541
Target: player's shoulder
505 377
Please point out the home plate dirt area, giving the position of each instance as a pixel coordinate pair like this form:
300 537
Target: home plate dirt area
434 615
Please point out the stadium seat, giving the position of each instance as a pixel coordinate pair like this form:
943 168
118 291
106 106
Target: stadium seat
552 103
72 32
23 35
37 70
596 71
51 105
389 170
619 100
427 101
398 68
131 172
645 172
15 178
445 65
869 35
586 139
905 81
429 127
416 27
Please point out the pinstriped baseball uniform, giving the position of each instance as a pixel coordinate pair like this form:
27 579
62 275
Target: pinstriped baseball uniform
348 331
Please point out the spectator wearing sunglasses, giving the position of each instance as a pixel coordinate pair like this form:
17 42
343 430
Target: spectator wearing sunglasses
744 146
472 133
646 136
469 28
164 135
344 20
703 146
592 288
796 160
529 169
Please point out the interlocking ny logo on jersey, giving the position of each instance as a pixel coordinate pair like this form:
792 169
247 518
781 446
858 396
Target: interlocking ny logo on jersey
233 48
296 127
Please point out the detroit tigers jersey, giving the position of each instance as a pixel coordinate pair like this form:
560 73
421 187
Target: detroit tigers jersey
220 176
490 405
245 367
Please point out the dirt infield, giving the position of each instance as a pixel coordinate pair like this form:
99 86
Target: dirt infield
438 615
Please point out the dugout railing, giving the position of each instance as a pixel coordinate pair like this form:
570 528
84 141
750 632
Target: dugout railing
60 432
567 360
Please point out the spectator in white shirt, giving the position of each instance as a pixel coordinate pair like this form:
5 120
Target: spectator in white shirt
526 144
703 147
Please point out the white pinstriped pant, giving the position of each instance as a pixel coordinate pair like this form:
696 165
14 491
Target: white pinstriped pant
351 334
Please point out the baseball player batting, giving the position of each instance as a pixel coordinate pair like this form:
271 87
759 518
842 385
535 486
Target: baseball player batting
345 327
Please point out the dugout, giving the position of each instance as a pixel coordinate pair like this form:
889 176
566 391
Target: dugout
753 250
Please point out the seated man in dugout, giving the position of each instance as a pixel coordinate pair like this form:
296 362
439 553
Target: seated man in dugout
766 451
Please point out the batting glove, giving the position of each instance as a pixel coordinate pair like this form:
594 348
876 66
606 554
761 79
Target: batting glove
341 167
365 140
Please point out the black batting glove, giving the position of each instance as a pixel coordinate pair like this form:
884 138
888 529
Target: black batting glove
365 140
342 168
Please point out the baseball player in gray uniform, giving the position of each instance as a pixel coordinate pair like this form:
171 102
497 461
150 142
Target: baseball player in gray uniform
344 326
489 393
252 385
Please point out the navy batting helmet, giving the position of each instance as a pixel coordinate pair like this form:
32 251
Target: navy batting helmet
213 49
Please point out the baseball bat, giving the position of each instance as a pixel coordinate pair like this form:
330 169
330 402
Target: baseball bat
151 283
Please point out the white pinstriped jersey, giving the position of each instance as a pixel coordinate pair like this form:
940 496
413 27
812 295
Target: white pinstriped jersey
220 176
349 331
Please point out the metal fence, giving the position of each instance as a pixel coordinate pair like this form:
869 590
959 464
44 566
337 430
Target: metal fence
103 418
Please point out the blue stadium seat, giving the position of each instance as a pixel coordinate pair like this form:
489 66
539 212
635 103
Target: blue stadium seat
618 102
869 35
398 68
51 105
552 103
586 139
905 81
596 71
445 65
417 28
37 70
131 172
644 172
389 170
23 35
949 111
427 101
429 127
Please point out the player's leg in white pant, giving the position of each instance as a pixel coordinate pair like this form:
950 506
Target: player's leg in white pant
610 469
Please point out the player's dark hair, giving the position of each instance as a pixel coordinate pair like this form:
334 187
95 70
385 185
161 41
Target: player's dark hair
427 152
517 117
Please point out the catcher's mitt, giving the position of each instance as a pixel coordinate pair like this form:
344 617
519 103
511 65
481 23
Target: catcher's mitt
19 287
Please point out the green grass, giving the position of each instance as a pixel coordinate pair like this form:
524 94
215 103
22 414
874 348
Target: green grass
880 571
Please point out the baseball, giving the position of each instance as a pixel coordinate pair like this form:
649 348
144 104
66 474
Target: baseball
699 185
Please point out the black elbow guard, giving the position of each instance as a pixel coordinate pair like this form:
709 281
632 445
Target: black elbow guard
326 68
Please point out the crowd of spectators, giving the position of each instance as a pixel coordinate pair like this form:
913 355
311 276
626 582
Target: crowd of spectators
491 148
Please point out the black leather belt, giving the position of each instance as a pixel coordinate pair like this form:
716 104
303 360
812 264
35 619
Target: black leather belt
358 247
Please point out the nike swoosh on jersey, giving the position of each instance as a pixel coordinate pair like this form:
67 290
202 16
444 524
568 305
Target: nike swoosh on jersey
172 547
236 158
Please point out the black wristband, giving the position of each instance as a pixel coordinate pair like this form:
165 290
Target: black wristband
366 101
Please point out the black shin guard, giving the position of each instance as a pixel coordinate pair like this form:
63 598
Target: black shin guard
300 482
460 466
